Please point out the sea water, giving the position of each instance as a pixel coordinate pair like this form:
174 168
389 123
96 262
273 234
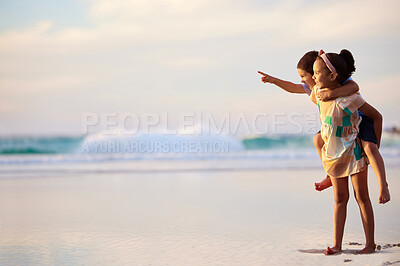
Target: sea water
118 147
251 205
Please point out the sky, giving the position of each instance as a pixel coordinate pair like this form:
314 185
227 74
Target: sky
60 60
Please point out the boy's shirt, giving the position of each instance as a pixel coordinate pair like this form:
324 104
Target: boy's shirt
306 89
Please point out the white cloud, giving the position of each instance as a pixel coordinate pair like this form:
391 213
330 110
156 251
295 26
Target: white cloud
174 38
381 91
350 19
8 108
122 23
38 85
191 62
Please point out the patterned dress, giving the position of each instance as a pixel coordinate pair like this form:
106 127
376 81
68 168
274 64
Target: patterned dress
341 154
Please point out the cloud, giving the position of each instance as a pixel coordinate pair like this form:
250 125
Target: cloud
8 108
350 19
381 91
191 62
40 85
195 20
158 50
123 23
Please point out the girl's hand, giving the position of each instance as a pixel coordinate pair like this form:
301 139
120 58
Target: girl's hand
265 77
325 95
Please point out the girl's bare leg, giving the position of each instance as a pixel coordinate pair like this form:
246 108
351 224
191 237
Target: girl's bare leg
341 196
318 143
377 164
360 186
326 182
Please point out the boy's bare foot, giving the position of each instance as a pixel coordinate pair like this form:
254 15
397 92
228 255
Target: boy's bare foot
367 250
324 184
332 251
384 195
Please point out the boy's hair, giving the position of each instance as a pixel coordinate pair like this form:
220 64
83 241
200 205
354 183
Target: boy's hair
343 63
307 61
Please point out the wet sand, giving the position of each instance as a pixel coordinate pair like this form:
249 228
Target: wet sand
241 217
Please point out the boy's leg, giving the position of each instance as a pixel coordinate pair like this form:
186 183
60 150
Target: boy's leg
341 196
360 185
377 164
326 182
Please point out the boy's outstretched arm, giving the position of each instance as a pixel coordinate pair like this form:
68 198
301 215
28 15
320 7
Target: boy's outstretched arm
376 117
283 84
349 88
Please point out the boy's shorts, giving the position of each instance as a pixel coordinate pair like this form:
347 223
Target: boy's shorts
366 131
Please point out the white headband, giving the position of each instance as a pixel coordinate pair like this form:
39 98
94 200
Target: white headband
327 62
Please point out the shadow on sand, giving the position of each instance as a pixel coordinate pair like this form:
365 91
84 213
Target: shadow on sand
321 251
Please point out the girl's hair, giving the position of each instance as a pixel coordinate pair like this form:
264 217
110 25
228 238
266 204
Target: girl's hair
307 61
343 63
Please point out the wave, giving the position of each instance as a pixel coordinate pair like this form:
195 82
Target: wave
146 143
101 147
273 142
159 143
40 145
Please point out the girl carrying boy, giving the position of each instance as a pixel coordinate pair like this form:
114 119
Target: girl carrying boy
369 138
341 152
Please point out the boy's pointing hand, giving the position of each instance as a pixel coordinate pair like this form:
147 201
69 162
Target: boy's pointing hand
265 77
259 72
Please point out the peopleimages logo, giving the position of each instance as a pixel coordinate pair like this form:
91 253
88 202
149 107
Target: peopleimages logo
200 123
156 146
185 132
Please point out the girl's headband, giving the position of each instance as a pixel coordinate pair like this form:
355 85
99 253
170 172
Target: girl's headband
327 62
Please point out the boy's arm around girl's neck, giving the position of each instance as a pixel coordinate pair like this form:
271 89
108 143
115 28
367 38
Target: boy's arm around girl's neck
347 89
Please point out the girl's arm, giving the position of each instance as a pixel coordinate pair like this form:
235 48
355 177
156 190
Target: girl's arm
349 88
283 84
377 118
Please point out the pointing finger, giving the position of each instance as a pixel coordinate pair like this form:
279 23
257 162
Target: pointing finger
259 72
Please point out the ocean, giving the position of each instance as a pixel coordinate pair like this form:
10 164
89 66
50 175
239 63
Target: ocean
48 150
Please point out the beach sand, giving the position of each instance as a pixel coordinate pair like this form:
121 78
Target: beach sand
212 217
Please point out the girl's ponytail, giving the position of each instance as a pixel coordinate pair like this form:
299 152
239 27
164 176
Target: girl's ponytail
348 57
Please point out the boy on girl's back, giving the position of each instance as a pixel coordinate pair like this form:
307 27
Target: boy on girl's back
370 142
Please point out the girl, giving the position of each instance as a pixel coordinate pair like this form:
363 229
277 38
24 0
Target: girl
341 152
370 142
